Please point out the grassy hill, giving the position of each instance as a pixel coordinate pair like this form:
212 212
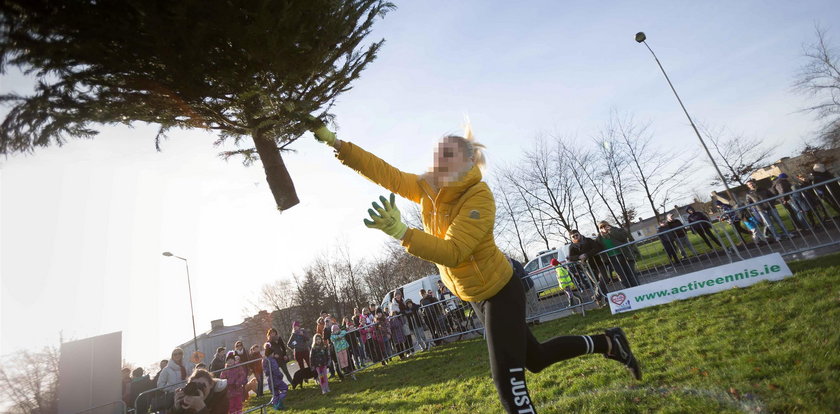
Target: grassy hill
772 347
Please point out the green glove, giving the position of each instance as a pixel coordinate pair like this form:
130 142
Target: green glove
322 133
387 218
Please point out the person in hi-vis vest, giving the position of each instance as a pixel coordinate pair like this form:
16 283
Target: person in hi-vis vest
564 278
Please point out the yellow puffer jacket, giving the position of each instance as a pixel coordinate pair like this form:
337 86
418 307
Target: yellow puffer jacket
458 222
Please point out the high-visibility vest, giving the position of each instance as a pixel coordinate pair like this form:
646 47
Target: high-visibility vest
564 278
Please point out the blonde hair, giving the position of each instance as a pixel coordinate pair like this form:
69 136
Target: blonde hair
470 146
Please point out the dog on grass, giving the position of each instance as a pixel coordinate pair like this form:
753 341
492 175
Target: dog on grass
301 376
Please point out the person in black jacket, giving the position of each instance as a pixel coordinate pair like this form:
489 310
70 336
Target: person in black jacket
279 348
668 239
218 362
586 250
783 187
679 236
701 226
767 210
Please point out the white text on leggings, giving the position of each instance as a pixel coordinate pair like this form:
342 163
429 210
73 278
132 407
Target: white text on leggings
520 394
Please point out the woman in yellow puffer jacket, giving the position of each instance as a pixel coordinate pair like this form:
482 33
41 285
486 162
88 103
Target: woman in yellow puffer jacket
458 216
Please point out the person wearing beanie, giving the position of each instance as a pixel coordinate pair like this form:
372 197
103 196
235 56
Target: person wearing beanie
299 343
791 202
564 279
459 212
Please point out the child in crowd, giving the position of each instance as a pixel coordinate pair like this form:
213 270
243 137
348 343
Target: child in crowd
382 332
236 379
754 226
341 346
271 369
298 342
320 358
397 333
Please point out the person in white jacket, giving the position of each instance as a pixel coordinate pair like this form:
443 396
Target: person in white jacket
177 370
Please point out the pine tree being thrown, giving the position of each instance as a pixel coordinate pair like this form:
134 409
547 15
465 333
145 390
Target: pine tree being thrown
240 68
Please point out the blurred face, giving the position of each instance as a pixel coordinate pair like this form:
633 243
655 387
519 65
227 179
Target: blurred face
575 236
751 185
230 362
604 228
318 340
178 356
450 160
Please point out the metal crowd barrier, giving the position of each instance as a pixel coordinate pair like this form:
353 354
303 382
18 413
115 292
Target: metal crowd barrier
400 335
663 255
791 223
546 297
161 399
109 408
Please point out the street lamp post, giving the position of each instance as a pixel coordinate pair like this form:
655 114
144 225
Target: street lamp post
640 37
189 289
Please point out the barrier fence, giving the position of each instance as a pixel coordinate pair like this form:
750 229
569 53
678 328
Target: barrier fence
791 223
161 399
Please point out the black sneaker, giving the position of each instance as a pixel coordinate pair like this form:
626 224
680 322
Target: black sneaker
621 351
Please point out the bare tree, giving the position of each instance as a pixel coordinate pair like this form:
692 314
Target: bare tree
738 156
534 217
545 180
510 210
578 159
377 277
29 382
614 165
352 288
658 173
819 77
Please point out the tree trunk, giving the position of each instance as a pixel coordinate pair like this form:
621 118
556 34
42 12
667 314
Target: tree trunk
276 174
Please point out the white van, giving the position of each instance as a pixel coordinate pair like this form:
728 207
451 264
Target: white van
411 290
542 272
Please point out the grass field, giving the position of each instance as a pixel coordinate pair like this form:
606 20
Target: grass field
772 347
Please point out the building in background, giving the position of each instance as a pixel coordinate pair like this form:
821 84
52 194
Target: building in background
802 163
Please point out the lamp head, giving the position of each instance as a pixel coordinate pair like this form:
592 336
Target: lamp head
167 254
640 37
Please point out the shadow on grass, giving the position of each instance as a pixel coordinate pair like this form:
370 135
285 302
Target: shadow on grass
830 260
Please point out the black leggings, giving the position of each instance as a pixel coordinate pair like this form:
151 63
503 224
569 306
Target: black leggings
513 348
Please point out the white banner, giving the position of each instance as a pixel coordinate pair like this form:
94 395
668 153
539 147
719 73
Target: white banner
703 282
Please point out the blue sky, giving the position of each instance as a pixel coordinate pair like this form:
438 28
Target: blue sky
83 225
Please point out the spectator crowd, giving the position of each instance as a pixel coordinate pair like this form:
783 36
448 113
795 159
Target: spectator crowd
334 348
